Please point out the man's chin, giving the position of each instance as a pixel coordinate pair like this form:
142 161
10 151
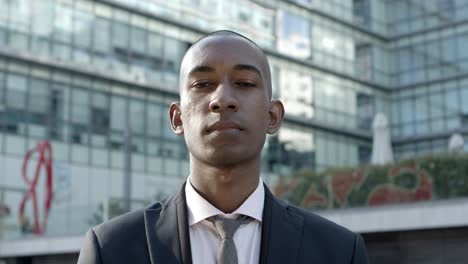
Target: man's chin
226 157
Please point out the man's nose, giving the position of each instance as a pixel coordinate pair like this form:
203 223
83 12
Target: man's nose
224 99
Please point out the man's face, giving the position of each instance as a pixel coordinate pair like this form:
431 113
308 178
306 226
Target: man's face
225 109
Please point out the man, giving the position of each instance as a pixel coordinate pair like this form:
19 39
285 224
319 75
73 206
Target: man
224 114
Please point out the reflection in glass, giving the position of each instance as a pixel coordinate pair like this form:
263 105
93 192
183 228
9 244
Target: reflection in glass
82 26
290 151
102 35
293 35
296 92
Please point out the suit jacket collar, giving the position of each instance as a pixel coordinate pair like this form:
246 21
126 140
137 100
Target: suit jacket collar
167 230
168 237
281 232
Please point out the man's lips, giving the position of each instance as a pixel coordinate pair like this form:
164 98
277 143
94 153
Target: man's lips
227 125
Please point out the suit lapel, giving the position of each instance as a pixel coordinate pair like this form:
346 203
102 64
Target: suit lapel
167 231
168 236
281 232
182 222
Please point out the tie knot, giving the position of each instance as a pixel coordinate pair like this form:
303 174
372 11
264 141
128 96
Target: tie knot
226 227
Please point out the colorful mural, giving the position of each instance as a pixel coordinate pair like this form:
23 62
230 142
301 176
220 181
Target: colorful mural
424 179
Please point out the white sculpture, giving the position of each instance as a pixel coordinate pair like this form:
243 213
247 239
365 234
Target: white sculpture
381 144
456 143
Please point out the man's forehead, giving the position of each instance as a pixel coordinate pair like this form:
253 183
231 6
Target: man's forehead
223 48
224 40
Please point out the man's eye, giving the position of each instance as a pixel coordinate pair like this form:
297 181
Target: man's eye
201 84
246 84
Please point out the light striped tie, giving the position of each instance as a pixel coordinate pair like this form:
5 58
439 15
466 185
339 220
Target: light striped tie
227 251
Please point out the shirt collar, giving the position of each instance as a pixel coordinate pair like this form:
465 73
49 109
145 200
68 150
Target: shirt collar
200 209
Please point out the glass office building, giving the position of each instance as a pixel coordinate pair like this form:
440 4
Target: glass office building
95 78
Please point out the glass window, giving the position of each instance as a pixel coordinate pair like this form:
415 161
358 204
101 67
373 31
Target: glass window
437 125
173 51
100 157
118 113
404 56
138 144
408 129
421 108
2 86
39 96
16 91
116 140
80 106
42 16
294 35
98 140
447 9
395 112
80 154
422 128
449 49
418 58
82 26
155 164
364 60
58 104
171 152
153 120
60 96
61 152
155 47
451 101
295 147
407 110
433 52
100 120
62 52
167 129
464 99
462 43
20 15
82 56
138 40
15 145
18 41
296 93
453 122
63 26
101 35
361 12
436 105
120 35
80 116
365 109
137 116
3 31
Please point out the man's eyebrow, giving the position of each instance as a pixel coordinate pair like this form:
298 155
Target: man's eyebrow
201 68
247 67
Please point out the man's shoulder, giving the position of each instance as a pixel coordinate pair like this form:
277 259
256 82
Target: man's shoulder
122 239
327 242
317 224
131 224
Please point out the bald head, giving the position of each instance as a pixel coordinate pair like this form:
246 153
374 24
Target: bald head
225 43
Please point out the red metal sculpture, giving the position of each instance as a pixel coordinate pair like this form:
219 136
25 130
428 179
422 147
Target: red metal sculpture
44 160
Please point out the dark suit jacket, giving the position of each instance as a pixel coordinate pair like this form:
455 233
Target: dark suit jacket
160 234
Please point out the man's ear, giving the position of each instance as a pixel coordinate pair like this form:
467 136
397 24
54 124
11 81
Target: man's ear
276 116
175 118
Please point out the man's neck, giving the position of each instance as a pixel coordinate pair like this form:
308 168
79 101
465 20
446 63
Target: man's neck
226 188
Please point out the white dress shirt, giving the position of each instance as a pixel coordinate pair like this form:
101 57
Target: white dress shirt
204 240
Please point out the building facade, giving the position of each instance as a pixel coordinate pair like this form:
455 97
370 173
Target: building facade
95 78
